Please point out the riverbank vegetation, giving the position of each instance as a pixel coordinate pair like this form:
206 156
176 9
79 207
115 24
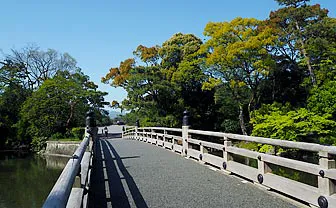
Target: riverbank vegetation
44 95
272 78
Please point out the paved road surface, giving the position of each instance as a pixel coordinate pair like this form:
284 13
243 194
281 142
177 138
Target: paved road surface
115 129
130 173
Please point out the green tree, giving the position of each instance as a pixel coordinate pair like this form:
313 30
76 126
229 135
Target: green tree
31 66
148 90
41 93
182 65
323 99
227 112
322 49
283 122
60 104
293 24
162 81
11 99
238 55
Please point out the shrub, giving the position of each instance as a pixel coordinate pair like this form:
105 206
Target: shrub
280 122
78 132
57 136
38 143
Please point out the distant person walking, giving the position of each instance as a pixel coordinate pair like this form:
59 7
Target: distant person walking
106 131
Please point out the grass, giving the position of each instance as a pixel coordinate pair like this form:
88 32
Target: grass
73 139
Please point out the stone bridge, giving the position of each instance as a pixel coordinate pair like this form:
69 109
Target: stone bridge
131 173
183 167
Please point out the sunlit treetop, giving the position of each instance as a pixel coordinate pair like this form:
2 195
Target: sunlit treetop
237 41
178 47
147 54
309 14
294 3
119 75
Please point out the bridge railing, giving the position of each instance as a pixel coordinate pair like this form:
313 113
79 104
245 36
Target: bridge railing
218 149
64 194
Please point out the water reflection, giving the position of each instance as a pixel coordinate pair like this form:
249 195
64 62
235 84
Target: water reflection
26 180
56 162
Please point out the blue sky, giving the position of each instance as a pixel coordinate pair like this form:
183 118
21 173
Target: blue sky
100 34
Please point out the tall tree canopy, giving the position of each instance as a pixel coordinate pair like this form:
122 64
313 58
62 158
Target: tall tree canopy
238 56
31 66
162 81
296 25
60 104
43 93
249 76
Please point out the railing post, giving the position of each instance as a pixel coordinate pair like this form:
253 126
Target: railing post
155 137
92 129
203 150
151 136
90 121
263 168
325 185
135 133
164 138
185 136
226 155
137 125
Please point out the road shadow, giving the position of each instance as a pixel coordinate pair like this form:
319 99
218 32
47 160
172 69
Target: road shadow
136 194
97 193
116 180
118 196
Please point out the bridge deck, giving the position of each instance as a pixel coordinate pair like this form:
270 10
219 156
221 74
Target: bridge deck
130 173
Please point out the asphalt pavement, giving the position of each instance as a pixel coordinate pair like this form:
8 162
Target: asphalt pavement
113 129
131 173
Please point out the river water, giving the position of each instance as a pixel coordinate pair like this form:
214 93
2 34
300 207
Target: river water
26 180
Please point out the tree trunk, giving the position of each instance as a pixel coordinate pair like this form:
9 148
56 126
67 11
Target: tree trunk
305 55
249 105
72 106
241 119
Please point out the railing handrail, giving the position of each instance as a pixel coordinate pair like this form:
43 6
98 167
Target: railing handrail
128 130
313 147
276 142
129 127
59 195
161 128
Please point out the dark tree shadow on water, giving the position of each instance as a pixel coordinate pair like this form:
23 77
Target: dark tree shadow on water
118 196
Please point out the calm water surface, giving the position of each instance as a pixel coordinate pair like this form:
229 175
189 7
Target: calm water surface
26 180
